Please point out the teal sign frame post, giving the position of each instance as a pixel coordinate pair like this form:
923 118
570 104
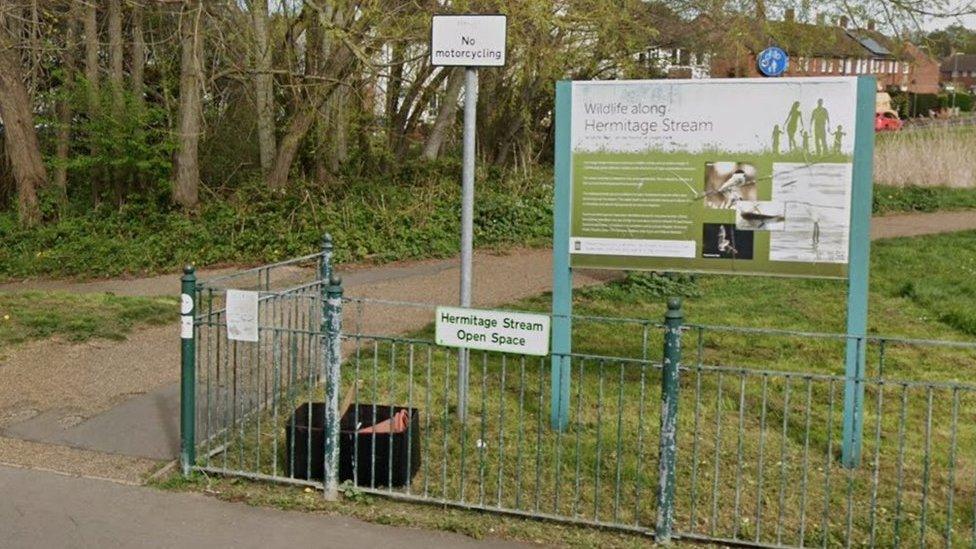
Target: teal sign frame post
859 252
859 261
562 273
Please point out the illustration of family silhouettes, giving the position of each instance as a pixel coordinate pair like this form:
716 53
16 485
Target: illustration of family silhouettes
819 125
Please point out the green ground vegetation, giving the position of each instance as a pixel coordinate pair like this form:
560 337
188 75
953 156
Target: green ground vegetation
26 316
759 428
410 213
890 200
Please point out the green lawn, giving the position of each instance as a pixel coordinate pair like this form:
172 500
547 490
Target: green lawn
759 429
891 200
26 316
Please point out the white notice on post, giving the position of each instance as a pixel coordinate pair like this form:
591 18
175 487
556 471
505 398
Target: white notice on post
242 315
467 40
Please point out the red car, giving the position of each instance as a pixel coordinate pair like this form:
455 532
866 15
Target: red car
887 121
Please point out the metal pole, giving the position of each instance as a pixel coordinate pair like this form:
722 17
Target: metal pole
187 370
562 274
467 222
332 355
669 420
859 259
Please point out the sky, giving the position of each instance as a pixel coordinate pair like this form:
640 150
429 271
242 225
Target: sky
969 21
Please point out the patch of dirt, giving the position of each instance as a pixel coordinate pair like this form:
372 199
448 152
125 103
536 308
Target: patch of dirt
85 463
918 224
86 378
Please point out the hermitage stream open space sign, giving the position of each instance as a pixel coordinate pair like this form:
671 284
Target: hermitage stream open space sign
750 176
487 330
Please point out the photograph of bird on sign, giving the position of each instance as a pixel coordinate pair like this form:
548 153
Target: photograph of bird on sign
726 183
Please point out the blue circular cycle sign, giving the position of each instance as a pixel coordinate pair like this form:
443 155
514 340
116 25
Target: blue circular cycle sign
772 61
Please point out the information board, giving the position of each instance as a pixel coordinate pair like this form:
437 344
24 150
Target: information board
750 176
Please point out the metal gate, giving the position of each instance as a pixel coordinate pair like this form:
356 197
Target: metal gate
698 449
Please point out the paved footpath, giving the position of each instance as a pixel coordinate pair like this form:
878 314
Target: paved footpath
40 509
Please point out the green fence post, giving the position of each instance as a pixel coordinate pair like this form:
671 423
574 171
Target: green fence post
562 273
669 419
332 353
188 406
859 261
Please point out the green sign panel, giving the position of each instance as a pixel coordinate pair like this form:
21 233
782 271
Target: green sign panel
749 176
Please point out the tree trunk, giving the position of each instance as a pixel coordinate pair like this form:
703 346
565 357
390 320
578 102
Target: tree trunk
138 53
394 83
90 22
116 70
23 147
446 114
263 84
339 129
63 144
187 176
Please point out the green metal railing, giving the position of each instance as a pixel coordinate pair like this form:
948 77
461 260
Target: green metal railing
743 448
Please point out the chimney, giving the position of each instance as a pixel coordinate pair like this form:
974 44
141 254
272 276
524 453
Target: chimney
870 24
842 22
789 15
761 10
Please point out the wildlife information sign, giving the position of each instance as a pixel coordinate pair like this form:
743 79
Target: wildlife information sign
750 176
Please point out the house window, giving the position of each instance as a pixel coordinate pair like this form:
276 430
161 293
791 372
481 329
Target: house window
904 68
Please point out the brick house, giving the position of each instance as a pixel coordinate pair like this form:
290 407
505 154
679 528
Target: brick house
959 69
815 49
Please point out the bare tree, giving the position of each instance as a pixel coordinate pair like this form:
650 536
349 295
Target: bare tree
445 114
187 177
263 84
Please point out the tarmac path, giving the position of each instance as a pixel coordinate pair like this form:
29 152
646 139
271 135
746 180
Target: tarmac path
40 509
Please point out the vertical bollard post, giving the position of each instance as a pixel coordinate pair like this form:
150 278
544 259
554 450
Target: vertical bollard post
188 309
325 267
332 352
669 419
325 275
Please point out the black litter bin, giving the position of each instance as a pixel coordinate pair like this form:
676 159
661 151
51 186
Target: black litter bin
381 460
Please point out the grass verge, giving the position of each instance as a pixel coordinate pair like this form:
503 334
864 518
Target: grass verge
759 433
380 510
27 316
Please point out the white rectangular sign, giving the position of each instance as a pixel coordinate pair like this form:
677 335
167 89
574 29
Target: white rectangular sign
502 331
242 315
468 40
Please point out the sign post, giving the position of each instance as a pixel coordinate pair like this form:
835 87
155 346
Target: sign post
735 176
468 41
